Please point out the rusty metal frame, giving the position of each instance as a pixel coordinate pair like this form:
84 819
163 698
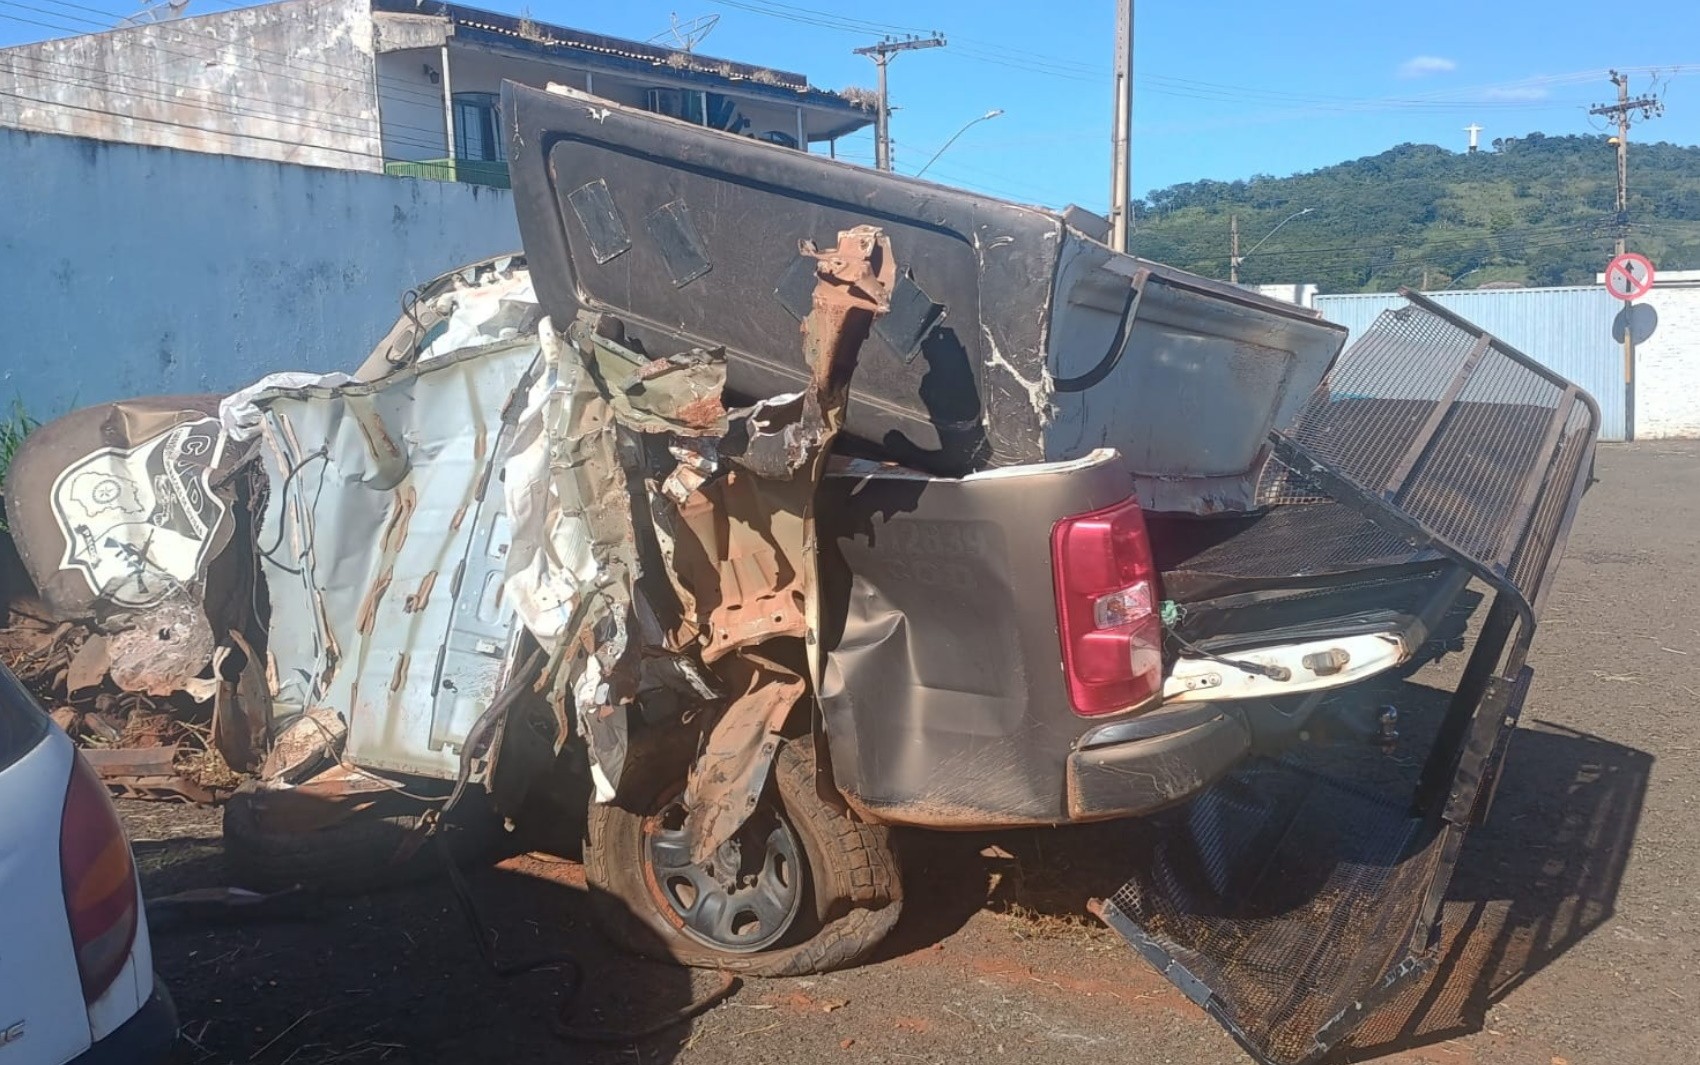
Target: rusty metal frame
853 286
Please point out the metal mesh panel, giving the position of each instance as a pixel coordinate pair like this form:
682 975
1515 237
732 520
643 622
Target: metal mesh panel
1468 484
1444 434
1381 393
1283 897
1299 541
1282 486
1546 529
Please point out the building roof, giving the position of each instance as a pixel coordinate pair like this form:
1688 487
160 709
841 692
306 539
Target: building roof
528 35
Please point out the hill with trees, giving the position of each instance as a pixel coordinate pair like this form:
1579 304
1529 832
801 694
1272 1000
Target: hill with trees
1532 210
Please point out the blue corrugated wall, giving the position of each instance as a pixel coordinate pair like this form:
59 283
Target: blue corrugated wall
1568 330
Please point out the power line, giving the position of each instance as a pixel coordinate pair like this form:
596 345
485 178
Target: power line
882 54
101 78
1184 88
436 140
102 81
1425 258
235 111
954 167
232 133
169 122
324 68
1496 236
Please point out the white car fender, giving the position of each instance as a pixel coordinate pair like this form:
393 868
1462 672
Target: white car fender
41 993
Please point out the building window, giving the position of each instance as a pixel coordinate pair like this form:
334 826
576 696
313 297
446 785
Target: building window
478 127
696 107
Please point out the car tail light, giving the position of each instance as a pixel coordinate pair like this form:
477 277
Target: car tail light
1112 634
99 880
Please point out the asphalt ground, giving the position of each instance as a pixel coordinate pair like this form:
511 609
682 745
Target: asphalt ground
1572 930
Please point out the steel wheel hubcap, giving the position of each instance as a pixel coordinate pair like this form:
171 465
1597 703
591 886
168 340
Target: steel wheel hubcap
741 900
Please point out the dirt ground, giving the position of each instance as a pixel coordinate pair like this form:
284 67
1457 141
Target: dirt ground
1573 924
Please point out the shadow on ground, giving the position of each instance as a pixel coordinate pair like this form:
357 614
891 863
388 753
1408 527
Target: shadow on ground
396 975
1531 883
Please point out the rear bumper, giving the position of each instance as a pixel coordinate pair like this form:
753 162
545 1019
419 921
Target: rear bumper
1143 765
144 1039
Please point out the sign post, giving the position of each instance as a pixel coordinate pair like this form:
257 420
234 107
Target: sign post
1629 277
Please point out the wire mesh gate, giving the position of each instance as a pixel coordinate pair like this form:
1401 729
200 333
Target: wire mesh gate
1293 898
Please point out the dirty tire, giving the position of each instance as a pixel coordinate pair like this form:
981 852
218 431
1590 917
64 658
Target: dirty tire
347 858
857 893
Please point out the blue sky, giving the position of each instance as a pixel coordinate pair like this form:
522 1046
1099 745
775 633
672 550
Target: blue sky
1223 89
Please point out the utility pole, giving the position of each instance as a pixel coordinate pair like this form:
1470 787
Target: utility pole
1650 107
1234 249
882 54
1121 138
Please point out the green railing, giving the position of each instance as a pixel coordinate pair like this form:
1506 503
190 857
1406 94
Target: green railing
466 171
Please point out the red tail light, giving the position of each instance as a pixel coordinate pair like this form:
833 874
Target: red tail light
99 880
1112 635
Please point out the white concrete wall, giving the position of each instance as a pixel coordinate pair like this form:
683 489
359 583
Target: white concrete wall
130 270
289 81
1667 360
412 105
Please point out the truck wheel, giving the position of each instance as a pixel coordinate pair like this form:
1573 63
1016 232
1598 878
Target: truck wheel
803 888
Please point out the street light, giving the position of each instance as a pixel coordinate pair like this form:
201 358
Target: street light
1238 259
993 113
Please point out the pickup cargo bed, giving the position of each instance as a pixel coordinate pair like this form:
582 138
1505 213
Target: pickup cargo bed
1298 573
1013 338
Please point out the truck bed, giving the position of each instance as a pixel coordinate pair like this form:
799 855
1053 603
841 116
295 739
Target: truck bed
1295 573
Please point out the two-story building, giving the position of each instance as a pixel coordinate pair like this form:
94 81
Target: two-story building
407 87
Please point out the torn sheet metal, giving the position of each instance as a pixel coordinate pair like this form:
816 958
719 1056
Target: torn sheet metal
240 417
618 449
328 798
147 773
383 549
242 706
764 571
312 741
569 479
483 303
570 575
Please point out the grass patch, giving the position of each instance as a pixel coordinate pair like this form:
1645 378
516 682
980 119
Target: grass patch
13 428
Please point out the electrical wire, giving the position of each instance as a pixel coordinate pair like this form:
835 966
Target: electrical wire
1019 60
327 69
174 124
321 453
327 72
99 79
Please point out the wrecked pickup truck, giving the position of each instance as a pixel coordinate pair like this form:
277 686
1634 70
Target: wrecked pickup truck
769 502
